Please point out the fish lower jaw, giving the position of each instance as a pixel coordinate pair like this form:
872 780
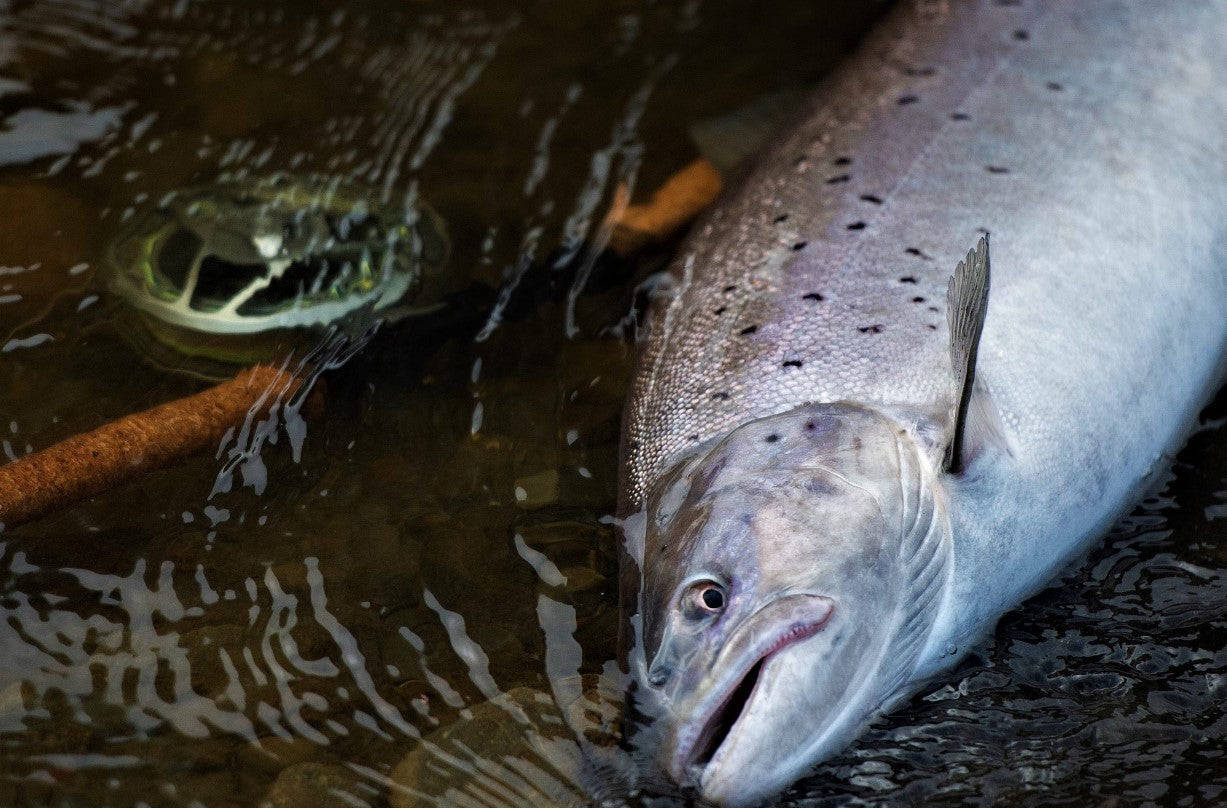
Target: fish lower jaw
704 741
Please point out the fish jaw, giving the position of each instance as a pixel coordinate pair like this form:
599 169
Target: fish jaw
787 726
775 706
773 630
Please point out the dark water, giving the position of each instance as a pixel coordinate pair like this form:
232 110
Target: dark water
388 601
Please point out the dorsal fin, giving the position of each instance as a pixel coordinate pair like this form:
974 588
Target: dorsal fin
966 305
726 141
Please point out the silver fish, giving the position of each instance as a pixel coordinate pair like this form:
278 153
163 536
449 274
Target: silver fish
837 481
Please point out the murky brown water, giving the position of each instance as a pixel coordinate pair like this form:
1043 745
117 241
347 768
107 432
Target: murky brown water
287 618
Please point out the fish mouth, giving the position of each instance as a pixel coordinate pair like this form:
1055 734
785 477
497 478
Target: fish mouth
802 616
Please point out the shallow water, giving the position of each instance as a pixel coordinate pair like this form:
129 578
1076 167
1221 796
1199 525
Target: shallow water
385 600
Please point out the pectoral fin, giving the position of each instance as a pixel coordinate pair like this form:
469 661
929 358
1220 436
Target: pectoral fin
967 304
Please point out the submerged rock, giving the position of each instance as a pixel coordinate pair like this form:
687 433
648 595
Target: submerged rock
523 748
312 785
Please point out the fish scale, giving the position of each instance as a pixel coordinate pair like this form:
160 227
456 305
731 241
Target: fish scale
803 332
977 143
749 262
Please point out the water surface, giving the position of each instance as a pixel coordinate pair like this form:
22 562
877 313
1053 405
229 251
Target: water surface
385 601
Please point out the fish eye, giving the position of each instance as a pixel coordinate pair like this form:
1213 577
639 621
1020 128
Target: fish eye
704 598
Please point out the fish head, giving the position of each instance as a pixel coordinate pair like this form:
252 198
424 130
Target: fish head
779 570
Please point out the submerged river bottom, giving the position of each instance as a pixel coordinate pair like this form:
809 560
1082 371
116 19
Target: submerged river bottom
404 593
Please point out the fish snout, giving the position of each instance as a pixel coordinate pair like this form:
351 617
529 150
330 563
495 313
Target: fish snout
704 719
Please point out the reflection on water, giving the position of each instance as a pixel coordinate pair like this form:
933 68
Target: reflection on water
409 597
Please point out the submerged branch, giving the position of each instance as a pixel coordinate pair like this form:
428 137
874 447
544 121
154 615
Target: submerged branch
114 453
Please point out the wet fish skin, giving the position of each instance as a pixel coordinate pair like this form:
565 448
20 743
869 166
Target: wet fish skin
1090 138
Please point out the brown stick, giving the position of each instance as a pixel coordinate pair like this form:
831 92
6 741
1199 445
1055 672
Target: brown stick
96 461
673 206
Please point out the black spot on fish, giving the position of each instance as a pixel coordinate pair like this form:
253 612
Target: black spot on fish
800 245
907 279
857 226
732 287
934 309
870 329
750 329
959 116
918 299
814 296
838 178
997 169
1021 35
792 363
772 438
693 438
720 396
842 161
817 486
721 310
783 217
932 327
1055 86
916 251
904 100
809 425
876 200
